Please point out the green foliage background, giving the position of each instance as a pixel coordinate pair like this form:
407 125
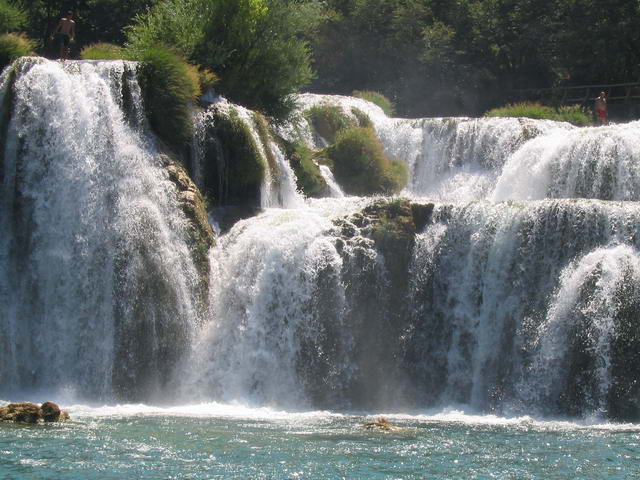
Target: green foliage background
429 57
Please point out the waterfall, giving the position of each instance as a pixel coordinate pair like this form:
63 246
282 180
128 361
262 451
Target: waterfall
463 159
97 284
278 186
506 281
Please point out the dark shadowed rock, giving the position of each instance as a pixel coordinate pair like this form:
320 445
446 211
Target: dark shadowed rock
50 412
23 412
27 412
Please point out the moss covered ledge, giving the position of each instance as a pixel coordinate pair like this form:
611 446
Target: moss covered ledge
200 234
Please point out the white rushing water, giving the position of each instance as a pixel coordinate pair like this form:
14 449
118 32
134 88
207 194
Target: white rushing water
517 296
463 159
91 234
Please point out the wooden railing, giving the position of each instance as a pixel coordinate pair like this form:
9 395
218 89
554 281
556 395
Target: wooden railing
582 94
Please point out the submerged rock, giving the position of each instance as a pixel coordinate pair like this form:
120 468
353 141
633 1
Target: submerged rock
27 412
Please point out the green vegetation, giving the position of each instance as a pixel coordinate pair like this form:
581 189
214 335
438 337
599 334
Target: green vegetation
13 46
380 100
430 56
446 58
304 162
103 51
361 166
574 114
255 46
244 167
97 20
362 118
170 87
328 121
11 17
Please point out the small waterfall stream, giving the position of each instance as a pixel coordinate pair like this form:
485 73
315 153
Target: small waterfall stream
97 281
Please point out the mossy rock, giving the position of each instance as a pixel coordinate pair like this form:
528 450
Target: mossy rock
392 225
234 167
6 110
362 118
27 412
304 162
361 167
201 236
328 121
170 88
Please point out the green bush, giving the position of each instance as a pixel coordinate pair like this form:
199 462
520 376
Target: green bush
11 17
360 165
380 100
574 114
13 46
257 47
362 118
170 87
304 162
244 167
103 51
328 121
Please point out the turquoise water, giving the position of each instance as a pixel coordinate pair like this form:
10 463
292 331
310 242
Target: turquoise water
215 442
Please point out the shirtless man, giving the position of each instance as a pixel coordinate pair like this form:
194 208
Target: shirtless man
65 33
601 109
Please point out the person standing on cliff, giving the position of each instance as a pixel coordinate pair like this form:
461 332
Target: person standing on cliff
601 109
65 33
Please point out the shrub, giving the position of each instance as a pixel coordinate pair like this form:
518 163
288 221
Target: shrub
170 87
13 46
574 114
303 161
11 17
234 167
103 51
362 118
257 47
380 100
207 79
328 120
361 166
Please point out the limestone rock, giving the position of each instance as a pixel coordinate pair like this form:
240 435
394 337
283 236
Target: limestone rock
50 412
192 203
27 412
381 424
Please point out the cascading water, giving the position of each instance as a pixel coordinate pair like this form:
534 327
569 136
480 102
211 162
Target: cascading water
278 187
97 282
499 286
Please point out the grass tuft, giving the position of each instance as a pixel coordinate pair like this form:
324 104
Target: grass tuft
575 114
328 121
380 100
13 46
103 51
361 166
170 86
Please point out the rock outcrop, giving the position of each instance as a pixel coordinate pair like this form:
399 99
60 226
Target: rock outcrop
27 412
192 203
381 424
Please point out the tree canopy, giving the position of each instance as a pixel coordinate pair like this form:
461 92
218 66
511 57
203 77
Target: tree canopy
431 57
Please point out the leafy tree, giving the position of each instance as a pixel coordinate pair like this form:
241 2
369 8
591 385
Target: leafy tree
255 46
97 20
11 17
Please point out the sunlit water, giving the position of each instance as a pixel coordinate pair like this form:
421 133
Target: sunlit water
504 264
216 441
